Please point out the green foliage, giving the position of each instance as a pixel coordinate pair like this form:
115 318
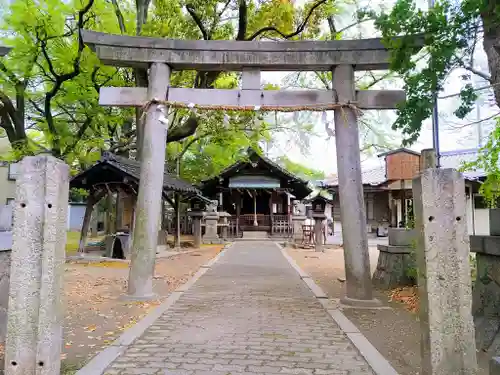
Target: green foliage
58 79
448 33
300 170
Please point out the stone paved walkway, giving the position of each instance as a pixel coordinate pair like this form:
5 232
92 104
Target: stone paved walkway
249 314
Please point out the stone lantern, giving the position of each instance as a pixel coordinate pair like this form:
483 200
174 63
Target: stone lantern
198 205
318 214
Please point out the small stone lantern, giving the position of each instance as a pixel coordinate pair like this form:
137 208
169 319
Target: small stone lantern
198 205
318 214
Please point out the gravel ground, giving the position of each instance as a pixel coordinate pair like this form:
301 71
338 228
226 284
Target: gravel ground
395 332
95 314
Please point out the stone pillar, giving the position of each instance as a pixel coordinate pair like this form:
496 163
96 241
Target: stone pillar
318 231
352 206
223 221
447 343
297 222
486 291
35 315
196 215
145 237
211 220
428 159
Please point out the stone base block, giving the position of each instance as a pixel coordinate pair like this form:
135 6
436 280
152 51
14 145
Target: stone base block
128 297
395 267
361 303
213 241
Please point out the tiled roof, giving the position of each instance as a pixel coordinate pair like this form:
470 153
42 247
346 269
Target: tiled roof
133 169
374 176
448 159
456 159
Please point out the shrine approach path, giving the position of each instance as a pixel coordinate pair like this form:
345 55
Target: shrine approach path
249 314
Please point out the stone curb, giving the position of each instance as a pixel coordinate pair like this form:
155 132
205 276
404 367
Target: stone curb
377 362
98 364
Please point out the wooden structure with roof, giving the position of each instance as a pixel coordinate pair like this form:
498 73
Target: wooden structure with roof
256 192
112 174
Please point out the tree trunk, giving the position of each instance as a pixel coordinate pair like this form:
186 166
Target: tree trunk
491 39
110 215
119 211
86 224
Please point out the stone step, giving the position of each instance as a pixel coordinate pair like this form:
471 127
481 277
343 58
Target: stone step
255 235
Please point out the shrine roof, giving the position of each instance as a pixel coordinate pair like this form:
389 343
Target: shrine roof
259 163
113 169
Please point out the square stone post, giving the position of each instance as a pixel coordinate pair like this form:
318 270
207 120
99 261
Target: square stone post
224 224
448 345
196 215
148 209
352 206
35 316
318 231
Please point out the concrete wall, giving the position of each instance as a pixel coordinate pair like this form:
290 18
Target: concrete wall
4 291
5 217
481 222
7 187
76 212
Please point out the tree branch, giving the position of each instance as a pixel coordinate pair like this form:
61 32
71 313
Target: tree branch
299 29
61 78
197 20
10 75
484 76
119 17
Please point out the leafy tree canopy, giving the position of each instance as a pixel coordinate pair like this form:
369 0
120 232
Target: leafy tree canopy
49 82
451 32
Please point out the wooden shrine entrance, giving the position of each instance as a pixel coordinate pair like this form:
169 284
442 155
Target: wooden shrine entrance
161 56
258 195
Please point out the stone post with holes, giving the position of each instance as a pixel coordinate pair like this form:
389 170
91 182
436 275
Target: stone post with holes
35 316
447 330
148 209
359 289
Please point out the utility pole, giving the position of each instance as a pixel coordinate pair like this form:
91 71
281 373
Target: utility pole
435 117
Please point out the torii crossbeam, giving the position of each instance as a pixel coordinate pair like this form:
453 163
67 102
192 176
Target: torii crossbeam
162 56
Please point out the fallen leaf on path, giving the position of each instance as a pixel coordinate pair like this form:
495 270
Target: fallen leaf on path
90 328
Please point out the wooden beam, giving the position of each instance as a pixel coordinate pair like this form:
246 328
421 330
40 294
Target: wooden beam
132 51
136 97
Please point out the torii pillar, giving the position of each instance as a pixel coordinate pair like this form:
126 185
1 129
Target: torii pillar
359 291
148 209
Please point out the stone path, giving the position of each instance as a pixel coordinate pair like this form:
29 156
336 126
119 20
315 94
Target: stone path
249 314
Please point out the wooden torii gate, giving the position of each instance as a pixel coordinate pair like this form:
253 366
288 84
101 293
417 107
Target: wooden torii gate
162 56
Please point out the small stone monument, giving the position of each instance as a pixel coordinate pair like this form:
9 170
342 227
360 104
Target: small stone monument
297 222
224 224
211 221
